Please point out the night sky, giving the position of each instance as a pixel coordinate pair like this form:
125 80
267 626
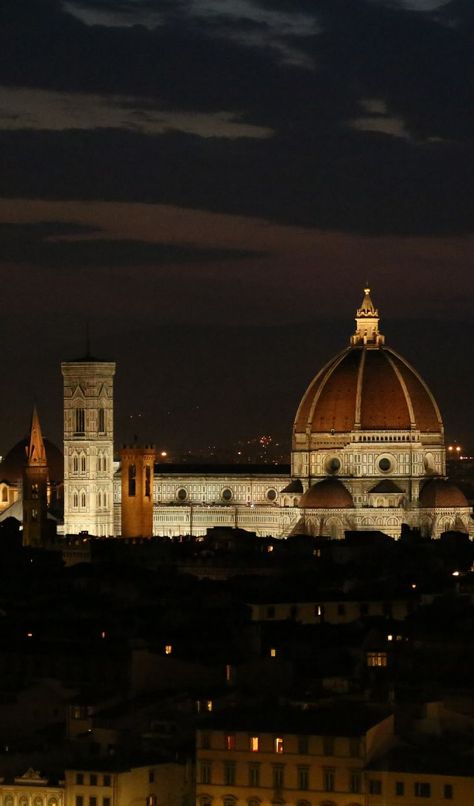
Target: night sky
208 184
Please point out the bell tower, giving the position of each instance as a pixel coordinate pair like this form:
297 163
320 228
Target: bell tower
35 487
88 446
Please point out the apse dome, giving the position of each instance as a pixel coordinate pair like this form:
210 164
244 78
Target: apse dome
440 493
327 494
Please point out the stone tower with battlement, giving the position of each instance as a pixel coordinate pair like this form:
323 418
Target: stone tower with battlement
137 466
88 446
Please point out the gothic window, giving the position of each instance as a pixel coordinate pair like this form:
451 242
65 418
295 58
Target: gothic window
83 464
4 494
75 464
104 500
99 499
99 462
104 463
80 421
101 423
132 478
147 481
83 500
75 500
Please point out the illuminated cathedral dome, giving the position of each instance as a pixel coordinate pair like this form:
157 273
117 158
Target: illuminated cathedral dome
367 387
442 493
327 494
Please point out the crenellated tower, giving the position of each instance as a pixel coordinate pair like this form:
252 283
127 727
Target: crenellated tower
137 466
88 446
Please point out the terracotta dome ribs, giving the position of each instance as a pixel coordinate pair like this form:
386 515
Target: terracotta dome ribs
335 409
427 415
383 403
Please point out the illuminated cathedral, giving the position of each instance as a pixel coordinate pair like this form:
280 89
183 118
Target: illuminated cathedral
368 453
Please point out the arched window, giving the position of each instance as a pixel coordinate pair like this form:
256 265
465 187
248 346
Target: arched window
80 417
75 464
4 494
101 421
104 499
99 499
104 463
99 462
75 500
83 500
83 463
132 477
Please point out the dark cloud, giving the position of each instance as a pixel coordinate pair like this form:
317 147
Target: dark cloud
357 182
40 244
404 169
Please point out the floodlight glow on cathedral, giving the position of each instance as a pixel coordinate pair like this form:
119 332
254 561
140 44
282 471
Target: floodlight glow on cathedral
368 453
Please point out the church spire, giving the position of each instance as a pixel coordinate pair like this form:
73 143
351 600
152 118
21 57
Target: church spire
35 452
367 322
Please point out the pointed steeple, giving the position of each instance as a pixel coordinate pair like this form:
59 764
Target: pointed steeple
35 451
367 321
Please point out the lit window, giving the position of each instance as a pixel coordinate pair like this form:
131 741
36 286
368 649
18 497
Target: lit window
278 744
273 652
254 741
230 741
209 705
377 659
168 649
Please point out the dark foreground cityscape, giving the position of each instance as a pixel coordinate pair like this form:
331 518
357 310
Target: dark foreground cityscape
157 653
